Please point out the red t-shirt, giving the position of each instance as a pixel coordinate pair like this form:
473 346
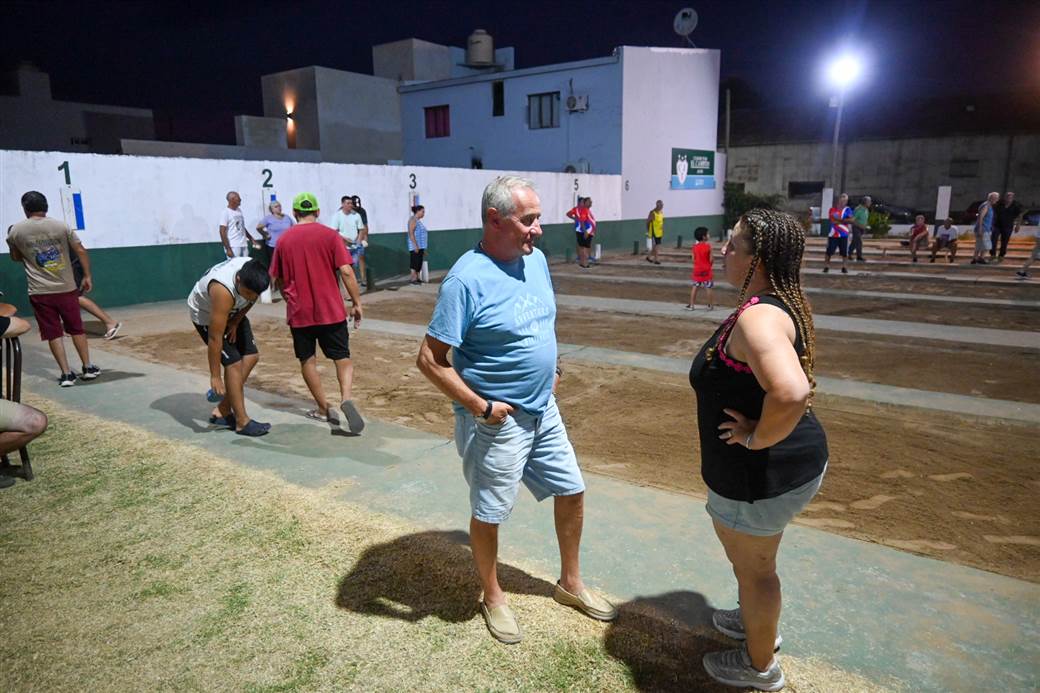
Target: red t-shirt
916 230
701 262
306 259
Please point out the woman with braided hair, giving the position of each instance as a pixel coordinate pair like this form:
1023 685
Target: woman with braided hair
763 453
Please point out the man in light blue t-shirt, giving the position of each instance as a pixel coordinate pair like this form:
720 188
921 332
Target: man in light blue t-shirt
352 228
496 313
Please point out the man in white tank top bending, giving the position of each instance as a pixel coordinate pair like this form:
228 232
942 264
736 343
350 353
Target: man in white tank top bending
218 305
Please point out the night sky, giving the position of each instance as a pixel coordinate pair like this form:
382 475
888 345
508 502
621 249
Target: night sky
198 64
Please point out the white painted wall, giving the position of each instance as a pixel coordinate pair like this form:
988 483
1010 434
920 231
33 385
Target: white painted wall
135 201
670 99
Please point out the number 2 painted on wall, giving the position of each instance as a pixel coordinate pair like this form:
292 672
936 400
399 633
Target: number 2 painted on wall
412 184
267 181
65 167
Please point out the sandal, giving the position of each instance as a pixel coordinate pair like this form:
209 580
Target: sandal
316 415
254 429
114 331
227 421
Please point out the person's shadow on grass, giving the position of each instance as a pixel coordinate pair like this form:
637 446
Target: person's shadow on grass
662 639
425 574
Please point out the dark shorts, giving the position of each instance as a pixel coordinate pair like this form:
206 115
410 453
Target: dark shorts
583 240
657 239
839 244
232 352
334 340
53 311
77 273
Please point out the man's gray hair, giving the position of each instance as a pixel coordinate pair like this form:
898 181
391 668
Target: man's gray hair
270 207
230 193
499 194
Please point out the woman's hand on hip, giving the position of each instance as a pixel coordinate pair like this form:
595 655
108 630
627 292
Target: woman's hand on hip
738 431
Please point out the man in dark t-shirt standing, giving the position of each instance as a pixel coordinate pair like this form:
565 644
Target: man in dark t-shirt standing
309 261
1007 218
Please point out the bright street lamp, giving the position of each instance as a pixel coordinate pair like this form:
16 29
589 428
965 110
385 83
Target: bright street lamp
842 72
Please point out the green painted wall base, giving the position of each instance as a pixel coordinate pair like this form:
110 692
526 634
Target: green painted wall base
143 274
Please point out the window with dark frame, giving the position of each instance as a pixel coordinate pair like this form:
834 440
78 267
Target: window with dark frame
800 188
438 121
543 110
498 98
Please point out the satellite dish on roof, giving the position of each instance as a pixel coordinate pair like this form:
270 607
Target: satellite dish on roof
685 22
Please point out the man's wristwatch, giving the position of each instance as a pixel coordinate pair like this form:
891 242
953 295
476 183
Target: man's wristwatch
487 410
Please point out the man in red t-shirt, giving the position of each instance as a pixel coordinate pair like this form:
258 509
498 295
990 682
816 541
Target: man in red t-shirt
918 236
308 263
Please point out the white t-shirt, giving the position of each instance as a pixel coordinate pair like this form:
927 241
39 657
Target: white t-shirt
199 303
236 227
347 225
947 233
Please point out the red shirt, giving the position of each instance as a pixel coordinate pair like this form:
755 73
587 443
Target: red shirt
306 259
701 262
916 230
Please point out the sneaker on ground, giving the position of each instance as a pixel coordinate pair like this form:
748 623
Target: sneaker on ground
733 668
826 270
845 270
90 372
6 481
729 623
67 379
1023 275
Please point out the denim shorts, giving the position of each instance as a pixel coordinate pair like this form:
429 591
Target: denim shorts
766 517
495 459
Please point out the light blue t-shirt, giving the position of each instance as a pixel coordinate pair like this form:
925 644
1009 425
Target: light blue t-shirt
500 317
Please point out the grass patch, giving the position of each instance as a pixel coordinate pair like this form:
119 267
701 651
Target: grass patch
137 563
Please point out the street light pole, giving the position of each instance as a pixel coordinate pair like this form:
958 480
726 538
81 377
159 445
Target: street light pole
834 144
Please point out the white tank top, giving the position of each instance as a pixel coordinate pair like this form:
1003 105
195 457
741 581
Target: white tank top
199 304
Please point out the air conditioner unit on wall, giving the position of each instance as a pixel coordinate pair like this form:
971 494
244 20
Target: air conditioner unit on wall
578 102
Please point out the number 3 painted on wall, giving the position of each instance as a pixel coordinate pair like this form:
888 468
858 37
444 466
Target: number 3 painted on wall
267 181
412 184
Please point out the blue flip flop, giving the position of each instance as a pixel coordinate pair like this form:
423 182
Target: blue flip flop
222 421
254 429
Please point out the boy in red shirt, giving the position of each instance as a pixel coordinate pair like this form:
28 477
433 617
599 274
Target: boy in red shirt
584 228
308 262
702 276
918 236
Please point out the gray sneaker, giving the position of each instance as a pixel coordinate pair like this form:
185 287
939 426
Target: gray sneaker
729 623
733 668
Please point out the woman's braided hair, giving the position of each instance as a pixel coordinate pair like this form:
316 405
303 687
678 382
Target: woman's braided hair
777 242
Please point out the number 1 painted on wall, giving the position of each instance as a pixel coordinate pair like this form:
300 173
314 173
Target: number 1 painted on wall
65 167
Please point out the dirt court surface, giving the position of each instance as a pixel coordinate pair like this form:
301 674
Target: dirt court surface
930 312
982 371
1027 291
941 486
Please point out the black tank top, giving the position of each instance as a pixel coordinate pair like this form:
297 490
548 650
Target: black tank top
733 471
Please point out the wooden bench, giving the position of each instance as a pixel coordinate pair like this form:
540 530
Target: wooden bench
11 389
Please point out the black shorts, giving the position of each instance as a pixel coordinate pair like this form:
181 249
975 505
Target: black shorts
583 240
77 274
232 352
657 239
334 340
839 244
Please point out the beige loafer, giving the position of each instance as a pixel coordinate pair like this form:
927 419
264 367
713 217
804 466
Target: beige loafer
501 623
587 602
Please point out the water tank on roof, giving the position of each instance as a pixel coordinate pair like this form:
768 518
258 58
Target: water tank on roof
480 48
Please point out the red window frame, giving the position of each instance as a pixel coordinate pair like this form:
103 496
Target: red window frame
438 121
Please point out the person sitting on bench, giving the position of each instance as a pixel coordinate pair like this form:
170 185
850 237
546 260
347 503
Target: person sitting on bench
19 423
945 239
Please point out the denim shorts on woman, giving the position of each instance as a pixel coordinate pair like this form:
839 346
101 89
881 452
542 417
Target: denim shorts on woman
531 449
765 517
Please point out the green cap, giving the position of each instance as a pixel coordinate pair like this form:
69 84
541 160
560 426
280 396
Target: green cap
305 202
